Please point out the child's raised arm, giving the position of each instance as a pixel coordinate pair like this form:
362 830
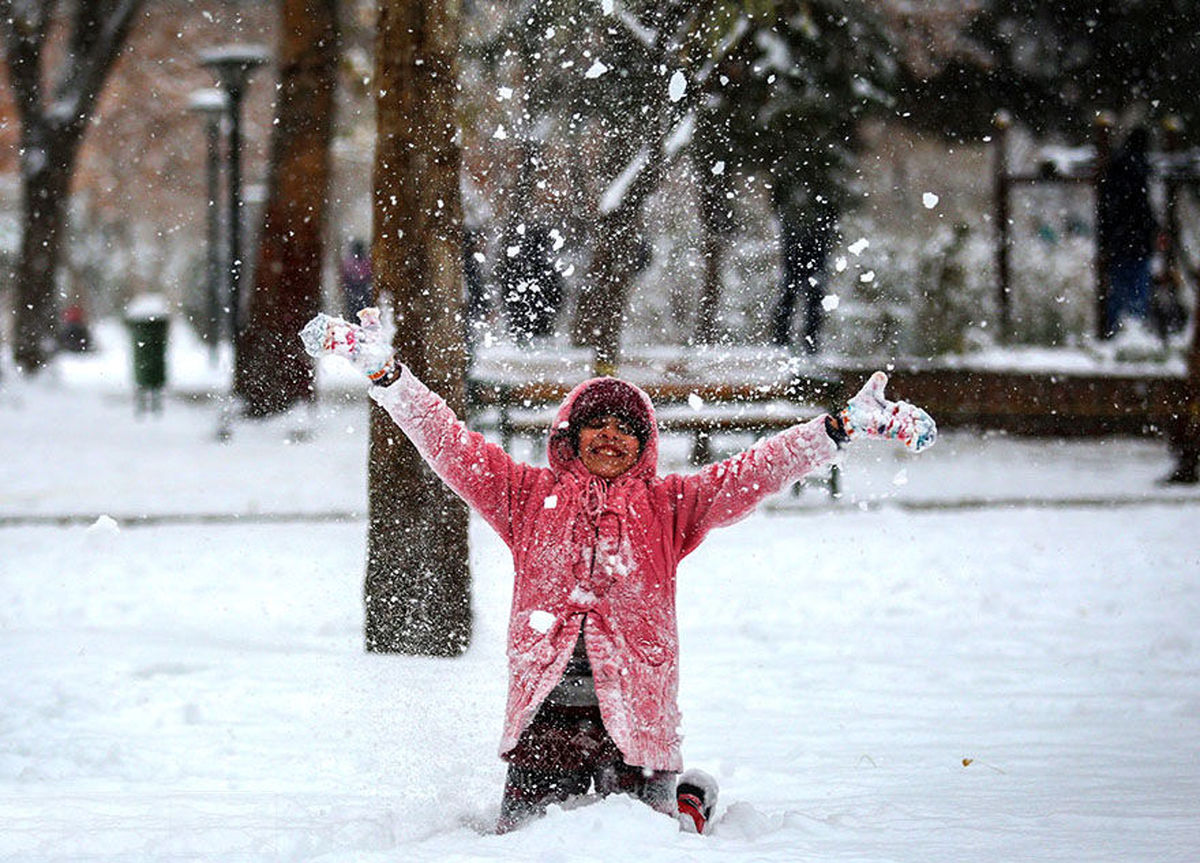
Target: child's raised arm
725 492
479 472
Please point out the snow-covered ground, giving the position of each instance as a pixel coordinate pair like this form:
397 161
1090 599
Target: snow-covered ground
987 652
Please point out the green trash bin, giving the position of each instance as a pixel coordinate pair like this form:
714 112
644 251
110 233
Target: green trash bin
148 324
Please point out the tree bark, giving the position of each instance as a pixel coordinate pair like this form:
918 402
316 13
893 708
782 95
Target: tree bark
600 313
640 140
273 372
44 196
714 225
417 587
1187 443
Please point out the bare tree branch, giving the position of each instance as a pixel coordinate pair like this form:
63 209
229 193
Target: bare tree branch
99 31
25 25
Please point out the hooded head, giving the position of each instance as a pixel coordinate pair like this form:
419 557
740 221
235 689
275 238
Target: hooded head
597 398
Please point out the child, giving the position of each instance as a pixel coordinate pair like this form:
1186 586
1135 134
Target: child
596 538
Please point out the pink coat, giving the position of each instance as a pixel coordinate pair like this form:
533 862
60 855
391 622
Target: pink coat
607 550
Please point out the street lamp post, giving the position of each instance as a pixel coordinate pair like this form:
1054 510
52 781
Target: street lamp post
212 105
232 66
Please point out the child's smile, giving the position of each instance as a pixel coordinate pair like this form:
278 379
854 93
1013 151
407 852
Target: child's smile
608 447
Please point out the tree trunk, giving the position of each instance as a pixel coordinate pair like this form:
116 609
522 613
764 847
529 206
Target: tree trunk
1187 443
617 237
44 199
715 225
53 123
273 371
417 588
601 310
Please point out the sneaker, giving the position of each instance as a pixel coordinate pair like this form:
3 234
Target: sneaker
696 796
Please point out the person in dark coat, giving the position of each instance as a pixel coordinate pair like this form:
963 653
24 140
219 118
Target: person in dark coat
533 289
356 278
1127 230
807 232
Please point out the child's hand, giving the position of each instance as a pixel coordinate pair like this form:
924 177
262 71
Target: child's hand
872 415
365 346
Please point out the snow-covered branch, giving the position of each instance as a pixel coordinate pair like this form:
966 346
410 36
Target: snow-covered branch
617 190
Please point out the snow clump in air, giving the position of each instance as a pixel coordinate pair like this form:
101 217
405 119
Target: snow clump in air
595 70
677 87
541 621
859 246
930 200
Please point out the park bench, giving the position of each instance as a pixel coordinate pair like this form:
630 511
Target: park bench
516 402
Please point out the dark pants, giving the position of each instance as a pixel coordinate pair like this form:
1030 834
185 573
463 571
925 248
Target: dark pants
803 279
1129 294
563 752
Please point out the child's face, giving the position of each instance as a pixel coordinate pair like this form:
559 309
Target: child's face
608 447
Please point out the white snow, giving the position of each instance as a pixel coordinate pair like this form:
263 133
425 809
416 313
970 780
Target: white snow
541 621
859 246
930 200
595 70
995 660
615 193
677 86
145 307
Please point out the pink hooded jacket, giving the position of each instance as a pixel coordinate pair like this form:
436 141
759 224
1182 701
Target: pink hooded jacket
607 551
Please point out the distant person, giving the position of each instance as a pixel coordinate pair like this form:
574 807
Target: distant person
1127 230
74 334
806 236
532 288
356 279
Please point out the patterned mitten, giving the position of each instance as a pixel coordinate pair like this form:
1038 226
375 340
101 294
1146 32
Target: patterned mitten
364 345
871 415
